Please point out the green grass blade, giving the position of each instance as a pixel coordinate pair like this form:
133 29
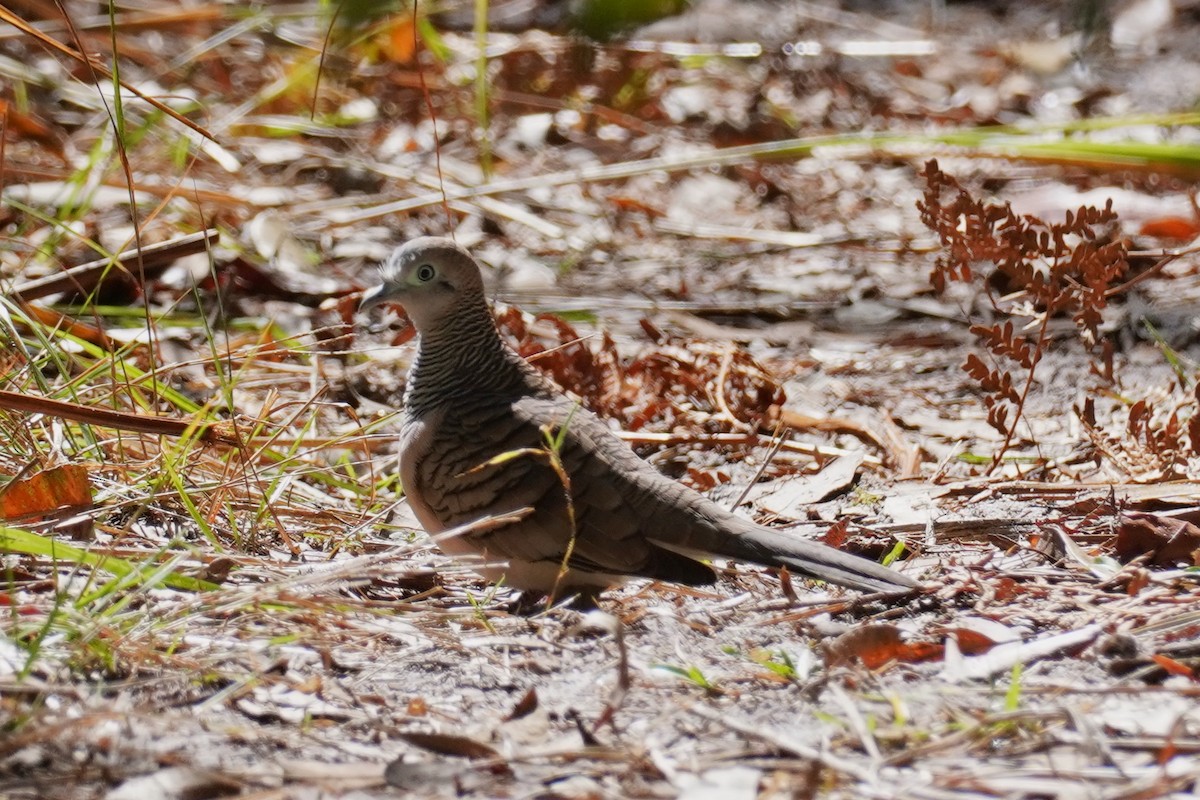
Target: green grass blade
18 540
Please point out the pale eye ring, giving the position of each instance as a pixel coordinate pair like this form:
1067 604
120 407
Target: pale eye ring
426 273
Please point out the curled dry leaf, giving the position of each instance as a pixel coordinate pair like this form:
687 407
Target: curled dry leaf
525 706
217 570
1169 542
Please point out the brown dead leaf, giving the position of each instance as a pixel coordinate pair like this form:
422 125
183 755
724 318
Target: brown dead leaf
700 480
22 125
835 537
785 585
217 570
1169 541
976 635
971 642
1005 589
876 645
525 706
449 744
346 307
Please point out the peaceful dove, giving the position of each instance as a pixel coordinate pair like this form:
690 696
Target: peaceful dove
483 430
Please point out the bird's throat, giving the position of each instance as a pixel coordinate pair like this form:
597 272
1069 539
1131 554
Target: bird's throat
462 356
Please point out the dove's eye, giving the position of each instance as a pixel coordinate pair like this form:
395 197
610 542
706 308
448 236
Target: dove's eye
426 273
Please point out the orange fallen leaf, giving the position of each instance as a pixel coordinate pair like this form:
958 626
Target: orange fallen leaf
971 642
401 42
51 318
876 645
46 491
26 125
836 535
1178 228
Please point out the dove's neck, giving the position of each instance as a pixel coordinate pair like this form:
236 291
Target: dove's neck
462 357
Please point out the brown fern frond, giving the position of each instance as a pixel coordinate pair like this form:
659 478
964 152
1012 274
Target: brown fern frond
1048 269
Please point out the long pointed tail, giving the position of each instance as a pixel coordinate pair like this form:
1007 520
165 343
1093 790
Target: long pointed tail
778 549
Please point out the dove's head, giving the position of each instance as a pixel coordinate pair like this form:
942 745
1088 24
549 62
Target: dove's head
433 279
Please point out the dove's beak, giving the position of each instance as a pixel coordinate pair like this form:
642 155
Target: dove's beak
373 297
